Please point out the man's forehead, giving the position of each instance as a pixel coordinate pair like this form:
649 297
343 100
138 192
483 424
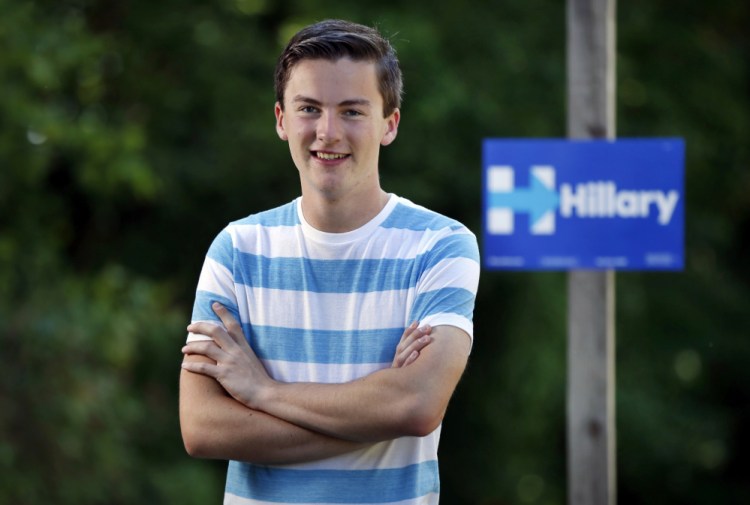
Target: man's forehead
318 78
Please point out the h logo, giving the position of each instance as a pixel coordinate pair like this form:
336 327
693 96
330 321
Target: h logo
539 200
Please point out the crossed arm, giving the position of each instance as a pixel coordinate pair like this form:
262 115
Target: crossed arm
265 421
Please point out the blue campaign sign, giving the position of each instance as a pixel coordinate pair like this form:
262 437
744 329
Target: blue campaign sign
583 204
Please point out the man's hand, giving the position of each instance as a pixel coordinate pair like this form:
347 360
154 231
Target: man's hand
236 368
412 342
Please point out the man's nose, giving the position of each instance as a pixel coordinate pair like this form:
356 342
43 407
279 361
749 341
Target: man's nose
329 129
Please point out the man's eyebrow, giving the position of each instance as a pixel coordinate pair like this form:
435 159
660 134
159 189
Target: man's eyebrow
305 99
362 102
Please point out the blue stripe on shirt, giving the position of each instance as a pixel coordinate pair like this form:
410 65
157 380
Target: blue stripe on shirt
324 276
307 345
418 219
332 486
455 245
202 310
321 346
336 276
443 301
222 250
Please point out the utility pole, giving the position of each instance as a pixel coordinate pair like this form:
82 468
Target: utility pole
591 294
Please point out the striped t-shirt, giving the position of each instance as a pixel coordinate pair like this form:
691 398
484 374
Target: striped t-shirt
330 308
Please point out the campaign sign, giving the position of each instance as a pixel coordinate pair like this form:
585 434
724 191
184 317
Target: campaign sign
556 204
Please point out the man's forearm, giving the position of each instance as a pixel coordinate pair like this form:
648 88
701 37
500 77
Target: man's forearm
390 403
216 426
363 410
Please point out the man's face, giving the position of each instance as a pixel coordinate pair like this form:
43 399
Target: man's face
333 121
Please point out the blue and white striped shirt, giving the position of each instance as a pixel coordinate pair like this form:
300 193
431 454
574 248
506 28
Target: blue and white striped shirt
330 308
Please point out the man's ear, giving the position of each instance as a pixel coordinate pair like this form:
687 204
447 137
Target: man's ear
391 130
279 112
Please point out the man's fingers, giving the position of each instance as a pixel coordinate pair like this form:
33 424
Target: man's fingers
232 325
416 346
405 337
205 348
201 367
413 334
212 330
412 342
414 338
412 358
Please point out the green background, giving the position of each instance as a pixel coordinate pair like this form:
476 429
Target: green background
132 131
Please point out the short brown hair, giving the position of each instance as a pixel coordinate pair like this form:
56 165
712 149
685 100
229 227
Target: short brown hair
334 39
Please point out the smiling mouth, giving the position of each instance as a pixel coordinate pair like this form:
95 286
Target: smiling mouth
330 156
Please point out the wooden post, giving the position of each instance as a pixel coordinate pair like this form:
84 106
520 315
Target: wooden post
591 298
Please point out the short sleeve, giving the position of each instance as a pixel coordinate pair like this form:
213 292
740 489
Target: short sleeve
447 288
216 283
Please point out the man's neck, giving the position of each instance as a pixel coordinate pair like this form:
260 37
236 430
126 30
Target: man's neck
340 216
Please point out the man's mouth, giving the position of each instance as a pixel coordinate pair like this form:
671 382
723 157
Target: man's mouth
329 156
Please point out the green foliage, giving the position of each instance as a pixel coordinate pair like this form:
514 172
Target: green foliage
131 132
92 380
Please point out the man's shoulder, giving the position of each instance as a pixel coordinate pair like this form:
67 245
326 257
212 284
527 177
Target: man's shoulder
247 229
411 216
431 232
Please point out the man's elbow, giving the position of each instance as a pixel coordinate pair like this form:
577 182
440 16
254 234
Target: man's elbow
195 443
421 420
198 399
423 427
199 437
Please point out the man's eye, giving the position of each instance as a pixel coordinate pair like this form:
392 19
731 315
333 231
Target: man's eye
352 113
308 109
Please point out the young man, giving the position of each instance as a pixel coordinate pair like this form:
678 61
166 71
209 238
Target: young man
303 366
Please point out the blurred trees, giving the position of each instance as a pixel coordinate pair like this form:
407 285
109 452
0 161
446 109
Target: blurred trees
132 131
